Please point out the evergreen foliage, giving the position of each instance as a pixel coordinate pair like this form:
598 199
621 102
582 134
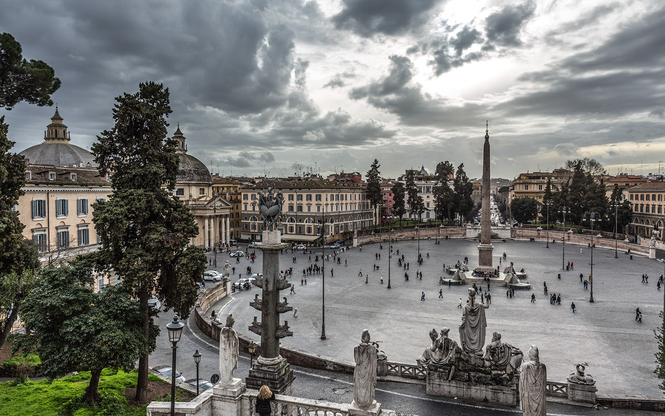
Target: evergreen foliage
399 198
463 191
524 209
444 196
374 185
415 201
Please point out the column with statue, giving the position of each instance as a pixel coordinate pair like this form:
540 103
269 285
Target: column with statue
271 368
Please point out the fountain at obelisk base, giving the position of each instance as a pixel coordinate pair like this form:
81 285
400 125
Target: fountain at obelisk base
271 368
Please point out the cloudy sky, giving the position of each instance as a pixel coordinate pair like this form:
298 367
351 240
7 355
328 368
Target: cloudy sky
278 86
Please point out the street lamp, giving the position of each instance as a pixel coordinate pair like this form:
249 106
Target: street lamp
323 272
564 210
440 228
418 237
175 331
390 252
616 229
251 349
197 361
663 261
592 218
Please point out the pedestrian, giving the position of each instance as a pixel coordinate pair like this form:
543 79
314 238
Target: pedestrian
295 312
422 297
293 289
460 303
533 298
381 279
638 315
331 272
440 293
213 315
366 278
643 277
489 298
571 265
482 298
658 285
263 400
406 276
302 281
305 280
572 307
647 279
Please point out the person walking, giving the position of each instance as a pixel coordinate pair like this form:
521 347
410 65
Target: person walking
460 303
381 279
533 298
440 293
572 307
293 290
422 297
263 400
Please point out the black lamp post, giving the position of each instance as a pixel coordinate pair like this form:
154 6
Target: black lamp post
175 331
197 361
592 218
616 229
251 349
418 237
323 272
564 210
390 252
548 225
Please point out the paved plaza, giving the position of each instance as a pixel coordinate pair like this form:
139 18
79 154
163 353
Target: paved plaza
618 350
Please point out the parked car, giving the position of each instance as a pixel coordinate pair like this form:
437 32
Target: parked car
237 253
203 384
245 282
233 242
154 303
251 245
166 371
301 247
255 276
211 275
335 246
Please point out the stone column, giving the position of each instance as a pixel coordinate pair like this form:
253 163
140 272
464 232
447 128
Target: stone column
222 234
485 248
271 368
228 231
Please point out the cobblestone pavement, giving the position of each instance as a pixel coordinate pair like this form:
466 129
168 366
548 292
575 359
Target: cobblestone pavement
618 350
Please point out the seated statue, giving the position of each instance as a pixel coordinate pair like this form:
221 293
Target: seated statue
579 377
441 350
502 355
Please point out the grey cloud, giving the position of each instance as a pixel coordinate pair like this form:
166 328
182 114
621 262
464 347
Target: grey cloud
389 17
464 39
265 157
588 18
566 149
503 28
338 80
239 162
447 52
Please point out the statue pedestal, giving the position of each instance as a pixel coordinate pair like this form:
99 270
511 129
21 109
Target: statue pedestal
485 257
438 384
274 372
582 393
226 399
373 410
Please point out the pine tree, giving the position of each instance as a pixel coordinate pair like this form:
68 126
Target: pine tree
413 199
463 191
398 200
374 186
145 232
660 354
444 197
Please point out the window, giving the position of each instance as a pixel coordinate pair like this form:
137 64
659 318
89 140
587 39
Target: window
38 208
28 176
202 191
51 176
61 207
653 197
647 207
299 208
63 239
318 197
526 187
631 197
245 207
253 197
309 230
309 208
40 240
100 284
290 197
83 236
660 197
101 199
647 197
308 197
290 207
660 208
72 176
180 192
245 197
82 206
641 197
318 208
299 197
540 187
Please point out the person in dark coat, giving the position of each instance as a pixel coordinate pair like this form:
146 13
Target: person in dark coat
263 400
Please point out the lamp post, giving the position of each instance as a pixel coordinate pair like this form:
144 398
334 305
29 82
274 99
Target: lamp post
548 225
197 361
390 252
441 229
323 272
616 229
418 237
592 218
251 349
175 331
438 229
663 261
564 211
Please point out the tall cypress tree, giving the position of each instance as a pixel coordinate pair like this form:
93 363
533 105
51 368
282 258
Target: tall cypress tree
398 200
145 232
374 186
463 191
444 197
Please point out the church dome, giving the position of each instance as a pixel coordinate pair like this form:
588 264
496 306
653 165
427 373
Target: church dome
56 149
191 169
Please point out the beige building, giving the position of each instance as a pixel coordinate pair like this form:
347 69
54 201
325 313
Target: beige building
229 188
425 184
533 184
309 204
647 201
194 187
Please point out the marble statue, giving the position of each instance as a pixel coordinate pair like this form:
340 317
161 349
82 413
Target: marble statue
228 352
502 355
473 327
441 351
364 374
226 271
533 381
578 377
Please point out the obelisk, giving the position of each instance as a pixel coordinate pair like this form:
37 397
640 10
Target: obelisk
485 248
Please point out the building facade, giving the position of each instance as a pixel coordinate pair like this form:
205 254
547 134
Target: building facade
387 200
425 184
312 207
648 203
533 184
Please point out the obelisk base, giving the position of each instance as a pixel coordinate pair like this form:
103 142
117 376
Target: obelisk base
276 373
485 258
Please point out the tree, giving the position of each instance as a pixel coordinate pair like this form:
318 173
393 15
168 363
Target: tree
398 200
444 197
590 166
374 186
22 80
463 191
660 354
145 232
524 209
33 82
74 329
415 201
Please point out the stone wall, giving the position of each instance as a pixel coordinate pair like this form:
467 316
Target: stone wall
212 295
580 239
400 234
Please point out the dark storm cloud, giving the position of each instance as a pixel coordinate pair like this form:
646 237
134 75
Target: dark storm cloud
239 162
396 93
464 39
389 17
623 76
503 28
265 157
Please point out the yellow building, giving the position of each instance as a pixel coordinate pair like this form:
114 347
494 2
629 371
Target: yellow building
229 188
648 203
533 184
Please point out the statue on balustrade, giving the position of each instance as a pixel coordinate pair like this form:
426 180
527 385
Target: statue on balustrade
364 375
228 352
441 350
533 381
501 355
473 327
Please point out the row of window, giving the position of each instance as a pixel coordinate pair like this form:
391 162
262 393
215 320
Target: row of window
61 207
648 209
62 239
181 191
308 197
333 208
645 197
51 176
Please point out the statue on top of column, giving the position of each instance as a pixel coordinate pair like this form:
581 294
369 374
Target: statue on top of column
270 207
